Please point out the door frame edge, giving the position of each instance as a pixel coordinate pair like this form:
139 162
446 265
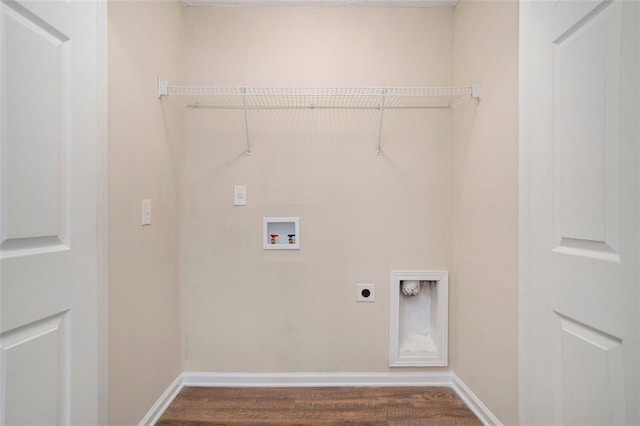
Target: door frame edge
102 213
524 37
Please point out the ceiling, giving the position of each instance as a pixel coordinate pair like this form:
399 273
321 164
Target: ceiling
335 3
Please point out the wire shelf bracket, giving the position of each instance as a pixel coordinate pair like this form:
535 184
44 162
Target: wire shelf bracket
382 93
246 120
256 98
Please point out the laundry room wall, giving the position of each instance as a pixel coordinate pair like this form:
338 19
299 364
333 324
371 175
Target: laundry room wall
246 309
485 238
145 351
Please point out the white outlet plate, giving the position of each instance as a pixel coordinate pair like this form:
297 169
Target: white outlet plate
239 195
146 212
362 287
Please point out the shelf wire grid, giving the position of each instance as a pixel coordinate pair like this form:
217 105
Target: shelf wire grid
221 97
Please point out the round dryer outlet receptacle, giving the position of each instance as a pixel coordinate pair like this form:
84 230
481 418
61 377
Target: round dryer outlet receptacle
366 292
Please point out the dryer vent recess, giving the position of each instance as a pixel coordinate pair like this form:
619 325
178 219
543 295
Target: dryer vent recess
419 319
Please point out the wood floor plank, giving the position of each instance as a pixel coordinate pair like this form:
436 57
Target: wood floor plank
388 406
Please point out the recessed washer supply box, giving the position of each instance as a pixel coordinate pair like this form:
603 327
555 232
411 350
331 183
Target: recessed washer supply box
281 233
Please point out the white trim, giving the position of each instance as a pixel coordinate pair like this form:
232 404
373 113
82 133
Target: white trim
209 379
321 3
524 51
202 379
102 211
157 410
473 402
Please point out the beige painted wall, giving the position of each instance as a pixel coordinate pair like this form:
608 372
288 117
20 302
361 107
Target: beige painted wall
485 205
361 215
427 203
145 41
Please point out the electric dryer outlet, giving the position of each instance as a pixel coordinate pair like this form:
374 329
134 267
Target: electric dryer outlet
365 292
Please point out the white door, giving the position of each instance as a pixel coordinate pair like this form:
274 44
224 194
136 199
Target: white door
49 126
580 142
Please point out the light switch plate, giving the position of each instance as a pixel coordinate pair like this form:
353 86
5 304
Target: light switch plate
239 195
146 212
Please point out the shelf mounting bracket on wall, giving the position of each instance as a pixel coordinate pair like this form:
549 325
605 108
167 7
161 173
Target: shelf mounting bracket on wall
163 88
476 91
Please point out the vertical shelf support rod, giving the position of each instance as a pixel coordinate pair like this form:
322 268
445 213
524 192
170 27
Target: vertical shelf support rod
246 120
383 93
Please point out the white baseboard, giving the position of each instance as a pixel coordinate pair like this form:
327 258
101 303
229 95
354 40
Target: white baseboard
473 402
206 379
157 410
316 379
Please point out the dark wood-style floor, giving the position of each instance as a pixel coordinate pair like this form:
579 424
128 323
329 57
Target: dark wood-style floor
316 406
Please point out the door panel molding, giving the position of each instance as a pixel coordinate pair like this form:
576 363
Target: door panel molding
586 135
35 155
54 329
60 267
585 355
579 232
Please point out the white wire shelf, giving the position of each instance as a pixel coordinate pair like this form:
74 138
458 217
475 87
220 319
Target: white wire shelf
311 97
254 98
